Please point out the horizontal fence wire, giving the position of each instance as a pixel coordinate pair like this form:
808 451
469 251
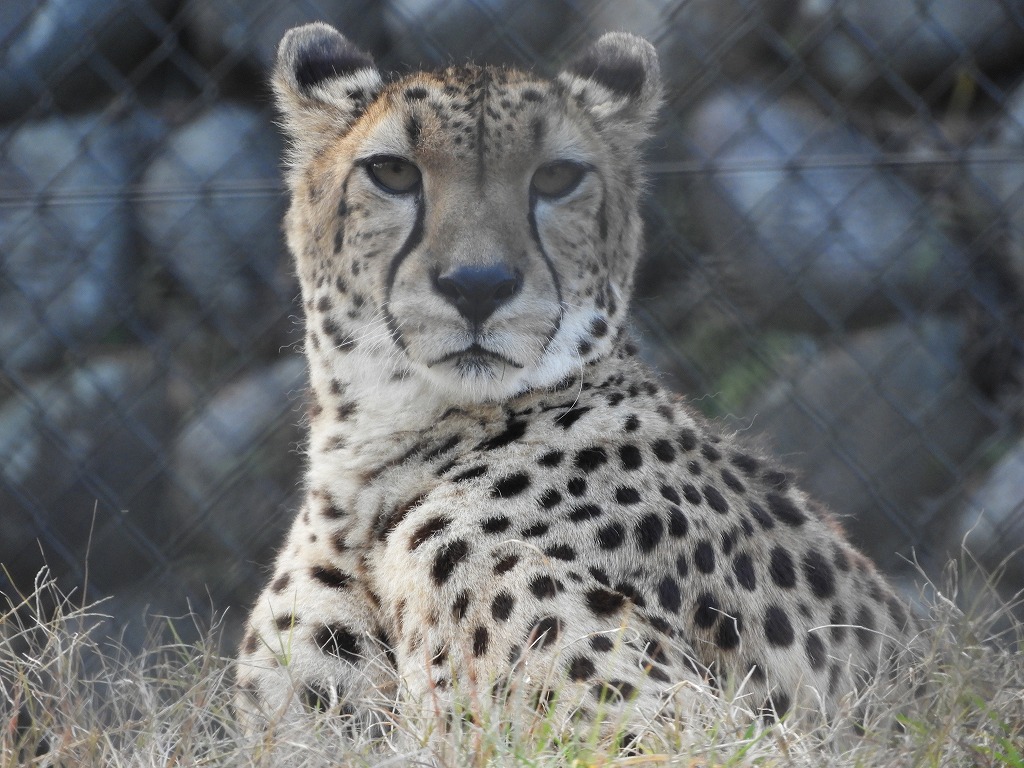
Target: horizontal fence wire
835 268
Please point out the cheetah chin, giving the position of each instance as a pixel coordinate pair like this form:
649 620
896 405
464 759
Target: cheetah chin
500 496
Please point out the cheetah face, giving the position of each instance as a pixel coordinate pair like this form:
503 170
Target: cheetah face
475 228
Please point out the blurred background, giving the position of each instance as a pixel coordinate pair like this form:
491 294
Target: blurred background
835 268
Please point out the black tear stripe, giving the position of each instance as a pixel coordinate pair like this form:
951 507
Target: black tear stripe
339 234
535 233
414 238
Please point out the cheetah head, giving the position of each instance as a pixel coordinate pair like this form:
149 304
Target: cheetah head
475 228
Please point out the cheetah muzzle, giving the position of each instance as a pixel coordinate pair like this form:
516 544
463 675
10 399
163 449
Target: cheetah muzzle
498 492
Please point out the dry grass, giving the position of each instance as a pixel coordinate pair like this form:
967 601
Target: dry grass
68 699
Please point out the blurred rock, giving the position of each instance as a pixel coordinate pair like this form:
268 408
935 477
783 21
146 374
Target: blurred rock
876 425
991 522
998 183
211 211
87 442
811 233
60 52
856 45
698 39
236 466
225 32
432 32
66 248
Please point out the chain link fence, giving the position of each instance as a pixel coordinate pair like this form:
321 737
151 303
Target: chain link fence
836 257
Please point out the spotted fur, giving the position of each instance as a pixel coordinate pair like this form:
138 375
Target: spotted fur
495 482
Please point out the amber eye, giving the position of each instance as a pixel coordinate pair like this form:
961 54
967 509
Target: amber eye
393 174
558 178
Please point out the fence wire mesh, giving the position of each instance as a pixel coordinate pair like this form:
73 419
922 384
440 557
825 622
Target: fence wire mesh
836 266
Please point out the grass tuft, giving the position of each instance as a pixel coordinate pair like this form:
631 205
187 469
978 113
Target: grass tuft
69 697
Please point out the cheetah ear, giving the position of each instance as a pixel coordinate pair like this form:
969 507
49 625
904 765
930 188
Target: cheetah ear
322 80
618 76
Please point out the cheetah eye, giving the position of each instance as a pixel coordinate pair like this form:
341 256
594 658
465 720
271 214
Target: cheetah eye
558 178
393 174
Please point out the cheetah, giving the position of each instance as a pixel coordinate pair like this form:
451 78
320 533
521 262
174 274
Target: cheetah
499 493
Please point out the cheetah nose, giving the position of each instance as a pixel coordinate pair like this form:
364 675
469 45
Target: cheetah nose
476 292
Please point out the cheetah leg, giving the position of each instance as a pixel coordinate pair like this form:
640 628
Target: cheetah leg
314 642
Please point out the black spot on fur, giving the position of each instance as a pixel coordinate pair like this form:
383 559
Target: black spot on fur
543 587
678 526
837 620
581 668
461 606
589 459
692 495
514 430
330 576
571 416
781 568
584 512
733 482
534 531
715 499
502 605
280 583
704 557
469 474
507 563
602 643
709 452
785 510
864 628
687 439
604 602
561 552
427 530
777 628
707 612
815 649
664 451
550 498
763 518
627 496
776 479
510 486
648 532
481 639
613 691
551 459
336 640
611 536
630 457
496 524
449 555
669 595
728 635
747 464
819 575
545 631
743 569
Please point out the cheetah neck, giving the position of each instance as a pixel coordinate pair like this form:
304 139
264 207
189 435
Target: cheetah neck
367 415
